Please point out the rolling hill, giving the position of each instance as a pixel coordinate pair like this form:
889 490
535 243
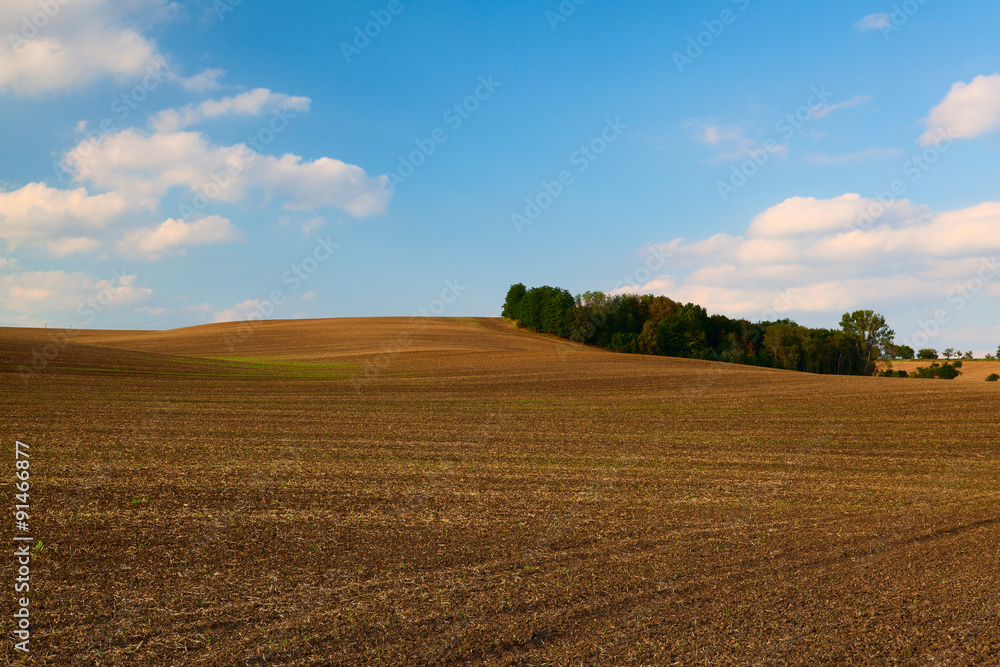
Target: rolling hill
455 491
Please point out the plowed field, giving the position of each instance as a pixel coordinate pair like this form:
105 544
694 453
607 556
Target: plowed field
454 491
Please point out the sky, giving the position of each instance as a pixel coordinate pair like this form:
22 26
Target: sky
175 163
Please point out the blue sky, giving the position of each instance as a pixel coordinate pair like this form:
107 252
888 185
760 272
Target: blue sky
673 129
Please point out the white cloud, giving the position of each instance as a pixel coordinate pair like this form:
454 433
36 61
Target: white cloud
61 221
175 236
323 182
133 170
145 167
251 103
153 311
204 81
808 215
812 255
967 111
732 142
72 44
879 21
65 293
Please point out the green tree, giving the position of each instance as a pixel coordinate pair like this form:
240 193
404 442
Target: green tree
948 372
927 353
949 352
869 337
784 343
905 352
512 304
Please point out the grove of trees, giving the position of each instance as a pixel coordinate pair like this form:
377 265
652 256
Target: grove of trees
647 324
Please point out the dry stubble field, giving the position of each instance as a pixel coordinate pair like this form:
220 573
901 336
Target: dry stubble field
489 496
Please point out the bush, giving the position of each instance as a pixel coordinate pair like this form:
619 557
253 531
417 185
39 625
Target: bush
944 371
948 372
992 377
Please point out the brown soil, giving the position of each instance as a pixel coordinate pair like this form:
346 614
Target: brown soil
399 492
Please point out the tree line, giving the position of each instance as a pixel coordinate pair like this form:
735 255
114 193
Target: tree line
647 324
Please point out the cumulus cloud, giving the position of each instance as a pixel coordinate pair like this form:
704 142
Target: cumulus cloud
62 221
68 45
131 171
175 236
798 216
967 111
251 103
34 292
824 255
879 21
144 167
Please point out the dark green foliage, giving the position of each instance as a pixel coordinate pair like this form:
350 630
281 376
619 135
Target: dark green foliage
512 305
893 374
545 309
905 352
945 371
927 353
992 377
647 324
868 336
